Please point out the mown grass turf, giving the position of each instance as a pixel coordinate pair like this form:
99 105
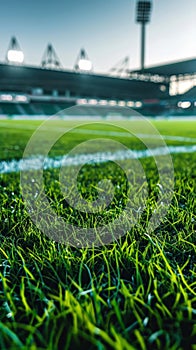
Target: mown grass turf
15 134
138 292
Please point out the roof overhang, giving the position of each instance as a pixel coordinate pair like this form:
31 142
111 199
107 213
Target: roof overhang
170 69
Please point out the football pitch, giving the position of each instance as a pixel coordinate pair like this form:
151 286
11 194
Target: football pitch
132 290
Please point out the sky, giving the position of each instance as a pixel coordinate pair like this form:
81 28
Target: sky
105 28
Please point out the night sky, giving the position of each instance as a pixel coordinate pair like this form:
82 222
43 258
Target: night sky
105 28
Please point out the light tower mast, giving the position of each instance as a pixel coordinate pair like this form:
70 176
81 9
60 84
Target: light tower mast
121 68
143 16
50 58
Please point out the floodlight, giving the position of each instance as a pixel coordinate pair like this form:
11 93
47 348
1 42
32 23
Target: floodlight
184 104
138 104
21 98
14 53
82 101
112 103
143 11
121 103
92 102
143 16
15 56
130 104
85 65
103 102
50 58
6 97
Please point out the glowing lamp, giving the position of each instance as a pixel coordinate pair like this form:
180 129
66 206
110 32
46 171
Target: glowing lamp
138 104
85 65
15 56
184 104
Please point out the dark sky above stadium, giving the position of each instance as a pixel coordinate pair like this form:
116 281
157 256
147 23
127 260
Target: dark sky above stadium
105 28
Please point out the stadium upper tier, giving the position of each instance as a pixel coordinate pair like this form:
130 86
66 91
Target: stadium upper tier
73 84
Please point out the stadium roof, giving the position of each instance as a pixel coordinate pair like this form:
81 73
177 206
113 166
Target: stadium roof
26 79
174 68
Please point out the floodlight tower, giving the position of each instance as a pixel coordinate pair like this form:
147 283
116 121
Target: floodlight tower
50 58
121 68
14 52
83 63
143 16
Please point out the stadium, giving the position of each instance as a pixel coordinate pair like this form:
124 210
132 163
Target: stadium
97 184
48 89
44 91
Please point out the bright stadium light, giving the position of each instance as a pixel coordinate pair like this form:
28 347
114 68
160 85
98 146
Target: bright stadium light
103 102
92 101
6 97
138 104
14 53
121 103
82 101
15 56
21 98
130 104
112 103
83 63
184 104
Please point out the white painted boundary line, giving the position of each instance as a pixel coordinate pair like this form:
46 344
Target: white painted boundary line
36 163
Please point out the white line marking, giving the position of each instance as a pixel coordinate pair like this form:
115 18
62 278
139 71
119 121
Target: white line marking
39 162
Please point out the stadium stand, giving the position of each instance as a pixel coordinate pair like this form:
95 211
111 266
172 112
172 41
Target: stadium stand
40 91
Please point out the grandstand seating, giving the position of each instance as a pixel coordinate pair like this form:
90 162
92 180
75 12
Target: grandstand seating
10 109
48 109
36 91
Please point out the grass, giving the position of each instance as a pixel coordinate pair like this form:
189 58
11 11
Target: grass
138 292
